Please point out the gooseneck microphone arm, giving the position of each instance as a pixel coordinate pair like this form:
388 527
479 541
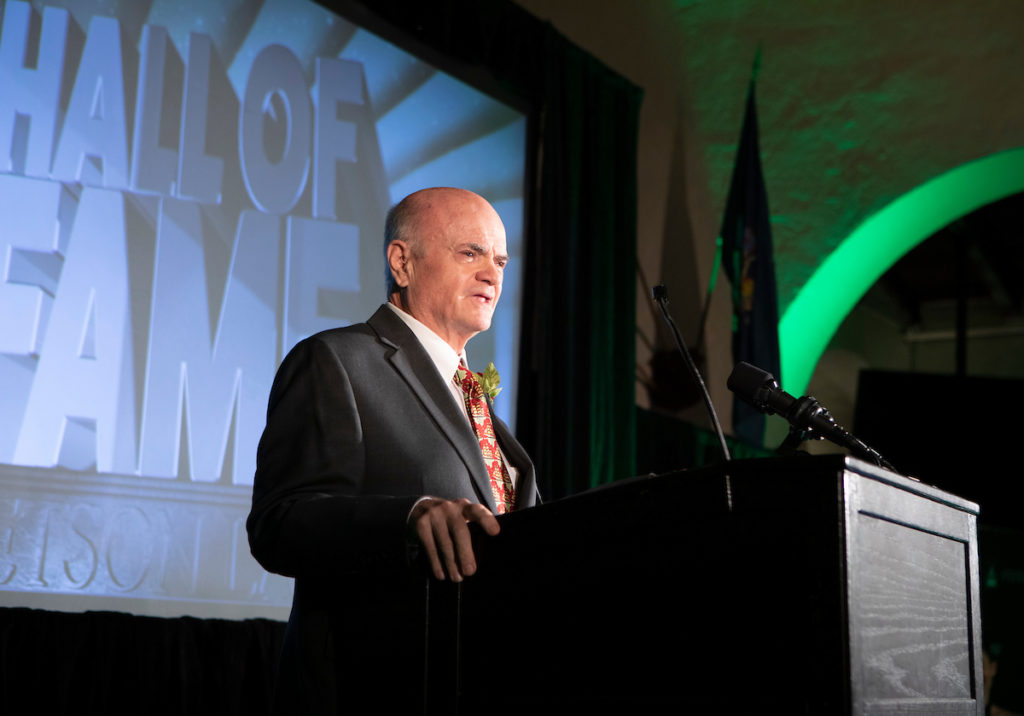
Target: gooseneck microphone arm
760 389
660 294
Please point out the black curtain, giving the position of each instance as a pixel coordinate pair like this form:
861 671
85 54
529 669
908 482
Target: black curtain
577 357
111 663
576 405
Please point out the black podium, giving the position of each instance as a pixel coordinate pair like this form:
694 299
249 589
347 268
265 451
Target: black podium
806 585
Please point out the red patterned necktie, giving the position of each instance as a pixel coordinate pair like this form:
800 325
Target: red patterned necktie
476 404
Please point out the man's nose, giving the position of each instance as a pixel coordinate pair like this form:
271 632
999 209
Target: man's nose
490 273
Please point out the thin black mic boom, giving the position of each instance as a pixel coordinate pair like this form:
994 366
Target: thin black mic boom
660 294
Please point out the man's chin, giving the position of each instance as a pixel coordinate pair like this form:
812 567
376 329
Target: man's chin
481 325
483 317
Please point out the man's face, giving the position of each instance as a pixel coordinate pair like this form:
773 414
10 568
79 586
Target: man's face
455 269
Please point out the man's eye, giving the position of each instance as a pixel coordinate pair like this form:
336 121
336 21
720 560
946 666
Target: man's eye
468 254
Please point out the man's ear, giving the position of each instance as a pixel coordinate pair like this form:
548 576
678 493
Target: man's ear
398 257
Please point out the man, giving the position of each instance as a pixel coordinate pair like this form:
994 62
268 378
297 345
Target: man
370 449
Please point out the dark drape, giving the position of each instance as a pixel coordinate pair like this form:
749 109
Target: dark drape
576 402
576 394
110 663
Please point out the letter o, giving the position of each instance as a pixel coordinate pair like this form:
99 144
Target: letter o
129 548
276 74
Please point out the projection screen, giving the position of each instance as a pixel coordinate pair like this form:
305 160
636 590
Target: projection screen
186 190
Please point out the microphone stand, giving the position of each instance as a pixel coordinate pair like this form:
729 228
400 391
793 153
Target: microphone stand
660 294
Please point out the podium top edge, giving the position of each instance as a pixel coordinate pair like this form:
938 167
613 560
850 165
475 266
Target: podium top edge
910 484
835 465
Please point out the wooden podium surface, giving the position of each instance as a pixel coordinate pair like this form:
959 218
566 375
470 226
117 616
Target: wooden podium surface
829 586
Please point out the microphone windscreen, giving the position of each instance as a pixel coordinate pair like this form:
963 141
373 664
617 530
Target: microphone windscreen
747 381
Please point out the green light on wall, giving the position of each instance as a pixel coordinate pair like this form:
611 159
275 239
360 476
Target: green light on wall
813 317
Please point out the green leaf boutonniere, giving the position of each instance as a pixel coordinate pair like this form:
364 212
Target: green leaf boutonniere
490 381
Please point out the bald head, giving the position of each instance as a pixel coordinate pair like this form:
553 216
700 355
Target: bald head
419 213
446 255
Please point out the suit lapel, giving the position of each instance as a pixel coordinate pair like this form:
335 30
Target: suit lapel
412 363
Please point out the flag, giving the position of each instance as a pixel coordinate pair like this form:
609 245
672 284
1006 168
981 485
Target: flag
746 243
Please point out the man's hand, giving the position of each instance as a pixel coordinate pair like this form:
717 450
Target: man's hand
442 526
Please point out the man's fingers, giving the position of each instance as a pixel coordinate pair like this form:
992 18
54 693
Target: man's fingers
441 526
445 547
425 533
462 547
474 512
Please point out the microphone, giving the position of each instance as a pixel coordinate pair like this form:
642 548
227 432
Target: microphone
760 389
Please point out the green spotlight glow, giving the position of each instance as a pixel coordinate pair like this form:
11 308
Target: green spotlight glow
812 318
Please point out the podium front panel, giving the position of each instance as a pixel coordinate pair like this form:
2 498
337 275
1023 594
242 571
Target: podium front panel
912 600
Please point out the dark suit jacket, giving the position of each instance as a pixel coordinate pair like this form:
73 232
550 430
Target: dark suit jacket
359 426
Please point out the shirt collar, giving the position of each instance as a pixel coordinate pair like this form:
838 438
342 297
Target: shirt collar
441 354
